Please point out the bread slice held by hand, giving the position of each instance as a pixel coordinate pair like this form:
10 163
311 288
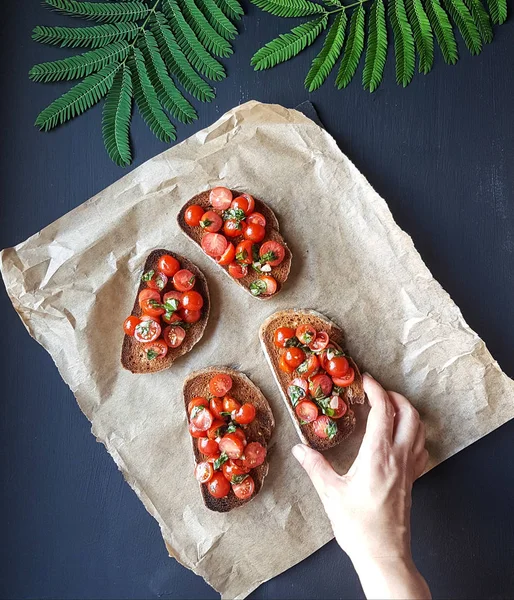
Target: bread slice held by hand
259 430
352 394
133 355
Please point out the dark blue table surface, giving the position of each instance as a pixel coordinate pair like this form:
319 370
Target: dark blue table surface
441 152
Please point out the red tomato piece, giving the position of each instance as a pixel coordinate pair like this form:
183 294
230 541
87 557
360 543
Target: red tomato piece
270 283
228 256
171 318
245 489
240 203
231 469
155 280
174 295
190 316
306 411
147 331
232 228
325 354
231 445
254 455
301 383
193 215
216 429
294 357
237 271
244 252
272 253
337 366
324 427
174 335
197 401
204 472
202 418
282 335
306 334
245 414
320 385
211 221
196 433
129 324
309 367
220 384
192 300
338 407
156 349
168 265
254 232
320 342
346 380
184 280
150 302
230 404
220 198
251 203
241 435
256 218
214 244
218 486
216 407
283 366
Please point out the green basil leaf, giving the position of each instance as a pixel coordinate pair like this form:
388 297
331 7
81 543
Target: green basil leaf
268 257
220 461
196 410
295 393
231 427
148 276
234 213
206 223
151 354
238 478
331 429
258 287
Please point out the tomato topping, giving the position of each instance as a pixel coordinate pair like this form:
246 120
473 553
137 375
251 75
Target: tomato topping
218 485
245 489
298 382
346 379
150 302
184 280
237 271
309 367
174 335
147 331
168 265
320 385
251 203
232 445
244 252
245 414
155 280
216 429
214 244
193 215
204 472
216 407
254 232
171 317
320 342
270 284
272 253
324 355
241 435
230 404
220 384
197 401
190 316
324 427
220 198
337 366
202 418
306 334
156 349
196 433
256 218
232 228
174 295
211 221
337 407
306 411
255 455
129 324
283 366
241 203
294 357
282 335
228 256
231 469
192 300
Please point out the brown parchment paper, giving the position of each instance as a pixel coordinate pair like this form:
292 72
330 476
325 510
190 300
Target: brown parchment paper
74 282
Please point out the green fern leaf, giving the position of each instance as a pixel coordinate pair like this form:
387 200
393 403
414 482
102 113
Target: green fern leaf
498 10
326 59
376 49
464 21
217 19
403 42
422 34
85 37
76 67
107 12
443 31
481 19
333 3
197 55
147 100
231 8
176 62
287 45
167 92
116 118
204 31
77 100
352 49
289 8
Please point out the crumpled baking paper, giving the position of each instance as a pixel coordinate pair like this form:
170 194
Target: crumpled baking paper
74 282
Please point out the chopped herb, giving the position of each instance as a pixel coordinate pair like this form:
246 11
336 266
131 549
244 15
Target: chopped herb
295 393
206 223
154 303
182 324
294 341
221 460
255 253
308 337
268 257
171 305
225 414
324 404
192 280
151 354
256 266
303 367
148 276
231 427
258 287
144 327
242 256
196 410
331 429
234 213
337 390
238 478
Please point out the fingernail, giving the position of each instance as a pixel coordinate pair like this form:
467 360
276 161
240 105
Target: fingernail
299 452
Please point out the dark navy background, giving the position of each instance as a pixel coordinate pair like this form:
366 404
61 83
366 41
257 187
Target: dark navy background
441 152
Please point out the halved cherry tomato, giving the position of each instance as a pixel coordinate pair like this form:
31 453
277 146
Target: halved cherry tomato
232 445
271 284
204 472
273 252
251 203
254 455
197 401
130 324
282 335
228 256
309 367
230 404
150 302
190 316
240 203
155 280
257 218
241 435
174 335
171 318
324 427
244 252
216 430
147 331
218 485
245 489
214 244
240 463
232 228
216 407
184 280
301 383
230 468
294 357
193 215
208 447
237 271
220 384
202 418
320 342
245 414
150 318
174 295
168 265
196 433
337 366
192 300
156 349
211 222
283 366
254 232
346 379
306 333
307 411
220 198
320 385
323 356
338 407
213 458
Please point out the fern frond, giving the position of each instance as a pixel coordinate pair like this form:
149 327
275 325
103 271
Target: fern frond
76 67
376 49
352 49
197 55
167 92
422 31
403 42
231 8
326 59
217 19
481 19
77 100
289 8
460 14
85 37
333 3
176 62
443 31
287 45
116 118
498 10
205 32
106 12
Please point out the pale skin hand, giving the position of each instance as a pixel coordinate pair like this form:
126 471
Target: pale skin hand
369 507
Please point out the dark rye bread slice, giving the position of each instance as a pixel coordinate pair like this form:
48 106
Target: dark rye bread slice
260 430
133 357
353 394
280 273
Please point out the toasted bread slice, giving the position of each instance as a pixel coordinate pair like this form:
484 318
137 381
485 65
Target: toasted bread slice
133 357
353 394
280 273
259 430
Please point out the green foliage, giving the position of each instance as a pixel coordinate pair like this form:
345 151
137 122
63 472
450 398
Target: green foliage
403 42
443 31
85 37
289 8
498 10
116 118
204 31
353 48
422 31
231 8
460 14
481 19
107 12
376 49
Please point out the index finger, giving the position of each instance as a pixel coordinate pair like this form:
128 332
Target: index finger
381 416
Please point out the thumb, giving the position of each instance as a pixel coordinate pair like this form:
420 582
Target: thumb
316 466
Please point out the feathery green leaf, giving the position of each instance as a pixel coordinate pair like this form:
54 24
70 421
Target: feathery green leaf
405 57
481 19
352 49
376 49
205 32
85 37
231 8
336 3
107 12
116 118
289 8
443 31
460 14
287 45
326 59
422 34
217 19
498 10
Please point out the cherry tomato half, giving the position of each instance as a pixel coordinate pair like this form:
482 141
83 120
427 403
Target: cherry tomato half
174 295
216 407
254 232
202 418
220 384
320 385
204 472
171 318
240 203
274 253
129 324
245 489
324 427
309 367
220 198
155 280
168 265
208 447
211 221
196 433
147 331
232 445
218 486
216 430
283 366
184 280
306 411
346 380
324 355
271 284
149 302
192 300
306 334
337 366
156 349
241 435
245 414
193 215
338 407
228 256
254 455
256 218
197 401
190 316
214 244
174 335
301 383
244 252
251 203
282 335
294 357
232 228
237 271
230 404
230 468
320 342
